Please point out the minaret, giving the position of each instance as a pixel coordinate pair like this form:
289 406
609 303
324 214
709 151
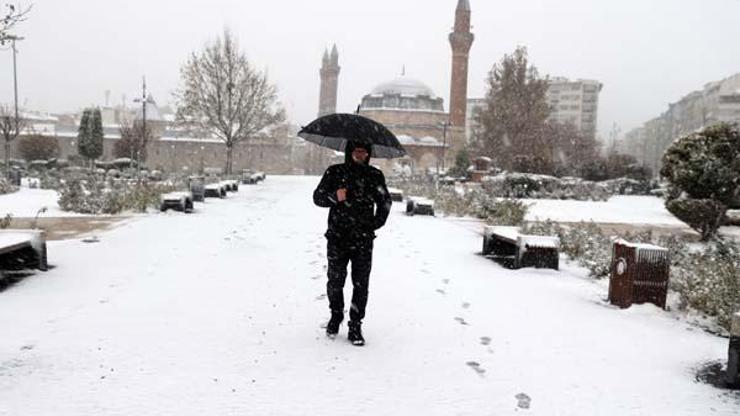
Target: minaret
329 82
460 39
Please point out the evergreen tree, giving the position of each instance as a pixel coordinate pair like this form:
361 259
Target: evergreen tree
511 122
90 135
96 135
83 134
462 163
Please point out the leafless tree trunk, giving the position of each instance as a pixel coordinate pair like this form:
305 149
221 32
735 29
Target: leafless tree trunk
222 94
10 128
134 141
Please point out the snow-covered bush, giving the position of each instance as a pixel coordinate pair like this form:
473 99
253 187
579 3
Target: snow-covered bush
5 221
88 197
5 186
704 165
99 196
708 280
503 211
525 185
38 147
703 215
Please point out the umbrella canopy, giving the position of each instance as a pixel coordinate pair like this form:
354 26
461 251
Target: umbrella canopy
335 130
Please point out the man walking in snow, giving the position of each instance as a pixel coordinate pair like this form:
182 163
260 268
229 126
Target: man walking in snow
359 204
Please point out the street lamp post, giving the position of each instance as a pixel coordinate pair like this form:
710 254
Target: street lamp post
444 125
143 100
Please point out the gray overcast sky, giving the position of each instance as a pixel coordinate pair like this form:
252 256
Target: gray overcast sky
646 52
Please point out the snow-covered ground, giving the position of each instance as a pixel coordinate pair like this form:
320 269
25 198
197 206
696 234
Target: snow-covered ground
219 313
26 202
618 209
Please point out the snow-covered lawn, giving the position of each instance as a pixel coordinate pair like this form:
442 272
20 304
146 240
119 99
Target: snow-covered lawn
26 202
219 312
618 209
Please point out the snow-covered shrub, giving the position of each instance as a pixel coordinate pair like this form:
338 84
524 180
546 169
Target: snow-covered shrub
629 186
503 212
38 147
708 280
93 195
5 186
88 197
704 165
524 185
5 221
703 215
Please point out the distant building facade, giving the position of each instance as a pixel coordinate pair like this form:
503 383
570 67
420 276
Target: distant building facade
717 101
575 102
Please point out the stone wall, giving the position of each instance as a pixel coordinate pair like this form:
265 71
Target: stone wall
191 155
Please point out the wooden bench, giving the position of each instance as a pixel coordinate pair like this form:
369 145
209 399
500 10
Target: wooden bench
215 190
416 205
516 250
23 249
230 185
396 194
180 201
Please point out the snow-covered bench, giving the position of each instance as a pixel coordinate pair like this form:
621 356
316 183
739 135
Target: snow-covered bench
396 194
22 249
733 216
215 190
230 185
518 250
419 205
181 201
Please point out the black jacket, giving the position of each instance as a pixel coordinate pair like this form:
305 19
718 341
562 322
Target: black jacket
367 205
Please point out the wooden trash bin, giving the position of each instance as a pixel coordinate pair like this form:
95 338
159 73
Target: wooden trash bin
639 274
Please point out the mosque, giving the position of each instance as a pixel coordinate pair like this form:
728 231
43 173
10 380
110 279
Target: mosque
411 109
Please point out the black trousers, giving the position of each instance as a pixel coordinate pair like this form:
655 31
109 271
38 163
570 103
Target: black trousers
339 254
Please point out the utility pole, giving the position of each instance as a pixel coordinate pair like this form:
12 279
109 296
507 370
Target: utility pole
15 97
143 119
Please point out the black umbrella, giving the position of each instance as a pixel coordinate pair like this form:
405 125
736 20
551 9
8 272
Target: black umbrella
335 130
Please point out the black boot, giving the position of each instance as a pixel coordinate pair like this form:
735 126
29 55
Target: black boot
332 327
355 334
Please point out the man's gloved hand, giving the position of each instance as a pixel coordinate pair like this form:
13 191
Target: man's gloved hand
341 194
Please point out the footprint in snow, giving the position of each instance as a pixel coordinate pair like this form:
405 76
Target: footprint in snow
461 320
465 305
485 340
321 296
318 276
441 291
476 367
446 281
523 401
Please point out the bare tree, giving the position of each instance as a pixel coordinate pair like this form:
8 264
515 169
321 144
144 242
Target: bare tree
134 141
11 16
10 128
221 93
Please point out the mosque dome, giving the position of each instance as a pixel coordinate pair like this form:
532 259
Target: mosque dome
402 93
403 86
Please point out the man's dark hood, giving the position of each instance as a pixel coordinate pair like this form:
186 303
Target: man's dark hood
351 147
